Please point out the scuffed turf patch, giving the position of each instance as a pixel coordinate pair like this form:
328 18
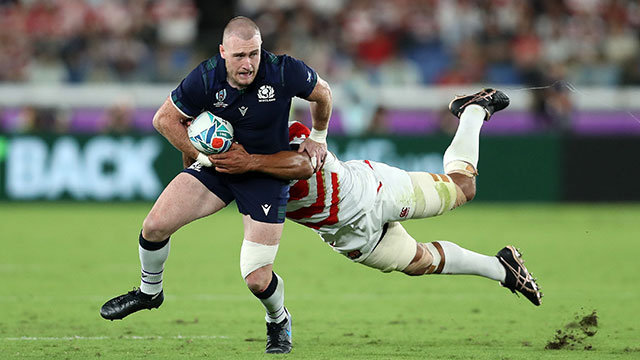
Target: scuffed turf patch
575 333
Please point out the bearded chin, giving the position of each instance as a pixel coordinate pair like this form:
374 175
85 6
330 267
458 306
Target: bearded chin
246 80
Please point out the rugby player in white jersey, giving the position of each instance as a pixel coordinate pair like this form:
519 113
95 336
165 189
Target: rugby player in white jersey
356 206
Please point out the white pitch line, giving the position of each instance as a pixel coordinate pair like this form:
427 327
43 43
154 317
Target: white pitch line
126 337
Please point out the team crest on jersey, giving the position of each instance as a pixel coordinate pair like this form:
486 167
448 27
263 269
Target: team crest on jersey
220 96
266 93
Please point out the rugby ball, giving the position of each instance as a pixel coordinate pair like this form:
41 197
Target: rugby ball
210 134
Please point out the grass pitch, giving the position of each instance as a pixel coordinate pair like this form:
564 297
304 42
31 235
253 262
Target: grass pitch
60 262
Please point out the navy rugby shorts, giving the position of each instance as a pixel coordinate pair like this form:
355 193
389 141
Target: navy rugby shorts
260 196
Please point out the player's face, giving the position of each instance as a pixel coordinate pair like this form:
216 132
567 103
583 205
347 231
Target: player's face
242 59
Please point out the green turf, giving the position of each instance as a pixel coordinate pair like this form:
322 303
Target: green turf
60 262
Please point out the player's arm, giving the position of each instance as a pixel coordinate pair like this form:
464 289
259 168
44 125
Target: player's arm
187 161
286 165
320 103
186 101
172 124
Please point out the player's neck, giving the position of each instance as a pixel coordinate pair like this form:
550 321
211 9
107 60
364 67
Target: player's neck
235 85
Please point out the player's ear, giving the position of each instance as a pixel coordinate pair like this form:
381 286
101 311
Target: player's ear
221 48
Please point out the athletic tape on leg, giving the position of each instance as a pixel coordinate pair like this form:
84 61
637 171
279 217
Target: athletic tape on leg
395 250
434 194
254 256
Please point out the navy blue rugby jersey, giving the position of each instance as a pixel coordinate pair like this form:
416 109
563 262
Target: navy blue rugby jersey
259 113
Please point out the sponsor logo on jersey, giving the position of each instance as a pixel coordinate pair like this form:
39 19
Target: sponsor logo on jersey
308 76
196 166
266 208
266 93
404 212
243 110
220 96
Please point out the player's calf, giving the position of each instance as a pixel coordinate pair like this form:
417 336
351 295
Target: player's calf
449 258
429 259
421 261
398 251
464 175
256 264
466 189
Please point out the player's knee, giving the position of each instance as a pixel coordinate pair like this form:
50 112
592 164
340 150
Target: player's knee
154 228
258 280
256 263
421 261
465 183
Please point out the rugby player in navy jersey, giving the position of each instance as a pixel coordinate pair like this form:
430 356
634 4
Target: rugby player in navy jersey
252 89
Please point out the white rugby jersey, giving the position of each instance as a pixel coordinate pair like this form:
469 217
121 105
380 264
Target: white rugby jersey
335 196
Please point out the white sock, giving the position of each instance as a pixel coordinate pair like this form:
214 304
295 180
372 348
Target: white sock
466 142
152 259
273 300
458 260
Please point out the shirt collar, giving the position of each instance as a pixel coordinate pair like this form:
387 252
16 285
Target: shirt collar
264 57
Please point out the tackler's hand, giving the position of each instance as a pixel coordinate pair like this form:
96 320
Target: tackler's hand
234 161
317 152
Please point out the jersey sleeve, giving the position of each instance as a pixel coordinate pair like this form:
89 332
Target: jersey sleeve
298 133
299 78
190 96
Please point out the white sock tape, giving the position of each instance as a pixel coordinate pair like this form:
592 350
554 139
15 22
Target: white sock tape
254 256
204 160
319 136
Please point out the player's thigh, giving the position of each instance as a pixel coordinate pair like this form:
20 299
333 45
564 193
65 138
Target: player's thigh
434 194
262 201
262 232
394 251
184 200
394 199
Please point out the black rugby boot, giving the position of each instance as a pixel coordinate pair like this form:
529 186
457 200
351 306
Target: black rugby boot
135 300
279 336
490 99
518 277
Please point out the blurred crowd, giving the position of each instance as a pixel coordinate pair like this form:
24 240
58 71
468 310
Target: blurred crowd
398 42
458 42
76 41
586 42
351 43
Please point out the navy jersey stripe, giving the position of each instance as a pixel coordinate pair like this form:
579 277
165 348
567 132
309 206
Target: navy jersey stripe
282 75
209 68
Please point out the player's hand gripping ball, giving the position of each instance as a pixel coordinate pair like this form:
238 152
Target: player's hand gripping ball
210 134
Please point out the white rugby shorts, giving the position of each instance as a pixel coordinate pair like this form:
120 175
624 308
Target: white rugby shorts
394 201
